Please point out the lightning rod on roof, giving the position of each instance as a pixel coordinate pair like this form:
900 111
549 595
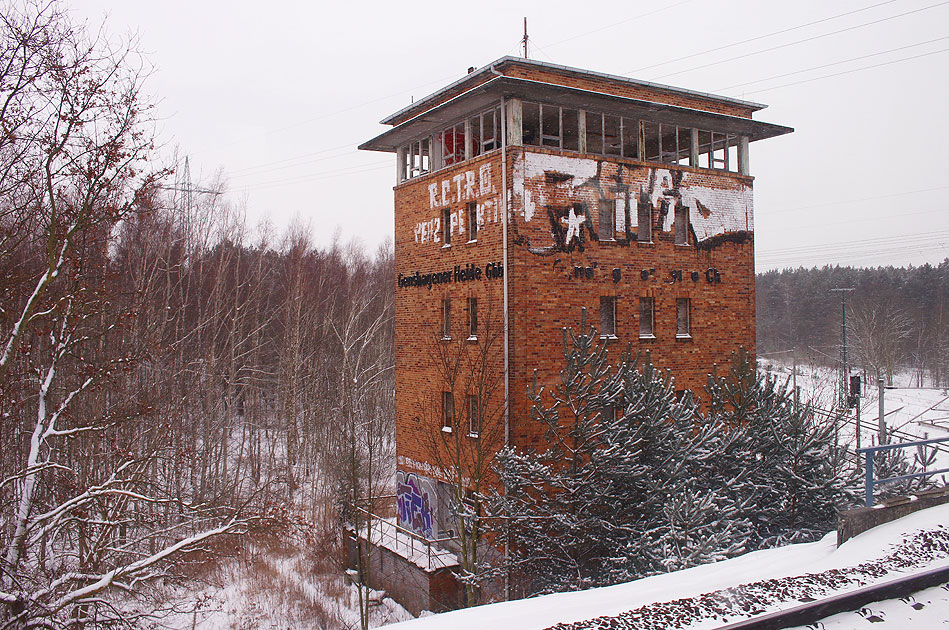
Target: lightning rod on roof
524 40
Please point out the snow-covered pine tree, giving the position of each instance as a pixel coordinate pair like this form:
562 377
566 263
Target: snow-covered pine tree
623 489
557 524
796 476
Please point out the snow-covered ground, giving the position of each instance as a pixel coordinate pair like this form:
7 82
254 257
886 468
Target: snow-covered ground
911 413
711 595
281 582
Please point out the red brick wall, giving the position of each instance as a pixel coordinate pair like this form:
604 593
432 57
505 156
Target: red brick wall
545 292
628 90
420 375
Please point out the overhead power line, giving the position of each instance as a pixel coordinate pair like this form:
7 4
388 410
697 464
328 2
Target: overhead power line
340 172
835 63
760 37
838 74
806 39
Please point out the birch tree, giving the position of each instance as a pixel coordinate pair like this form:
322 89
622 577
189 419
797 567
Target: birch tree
81 440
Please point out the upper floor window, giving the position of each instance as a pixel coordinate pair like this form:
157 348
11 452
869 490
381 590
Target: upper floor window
681 225
471 218
555 127
446 227
452 142
462 140
606 230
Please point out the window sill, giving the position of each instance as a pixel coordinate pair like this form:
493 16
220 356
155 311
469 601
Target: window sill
650 243
473 241
446 246
445 339
446 429
646 337
682 245
684 337
473 436
472 338
608 337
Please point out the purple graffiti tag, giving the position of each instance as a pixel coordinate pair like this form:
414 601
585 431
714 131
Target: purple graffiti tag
416 504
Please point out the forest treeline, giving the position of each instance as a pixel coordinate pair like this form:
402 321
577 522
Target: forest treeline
897 318
166 377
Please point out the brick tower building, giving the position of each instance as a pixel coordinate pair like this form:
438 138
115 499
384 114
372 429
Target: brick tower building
626 199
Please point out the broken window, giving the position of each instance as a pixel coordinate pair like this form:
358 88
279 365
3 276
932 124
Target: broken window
472 318
446 227
446 319
452 141
646 315
608 316
612 136
570 122
705 149
594 132
550 132
474 416
683 146
681 225
490 130
630 138
448 411
530 124
472 221
683 321
474 133
651 145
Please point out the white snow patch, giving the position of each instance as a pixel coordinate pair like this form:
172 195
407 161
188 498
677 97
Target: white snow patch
385 533
542 612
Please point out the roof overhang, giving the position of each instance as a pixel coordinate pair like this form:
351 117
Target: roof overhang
486 94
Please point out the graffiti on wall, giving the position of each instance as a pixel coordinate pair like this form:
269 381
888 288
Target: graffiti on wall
467 186
417 503
569 192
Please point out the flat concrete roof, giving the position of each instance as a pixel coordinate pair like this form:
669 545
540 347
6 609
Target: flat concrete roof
485 72
464 98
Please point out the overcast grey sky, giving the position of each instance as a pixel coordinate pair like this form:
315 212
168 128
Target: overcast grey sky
278 94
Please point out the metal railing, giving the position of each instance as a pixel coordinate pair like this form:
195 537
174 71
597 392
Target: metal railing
870 451
389 532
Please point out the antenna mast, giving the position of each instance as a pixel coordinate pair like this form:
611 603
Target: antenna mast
524 39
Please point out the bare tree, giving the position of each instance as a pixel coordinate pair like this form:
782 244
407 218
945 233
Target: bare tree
880 331
463 453
77 474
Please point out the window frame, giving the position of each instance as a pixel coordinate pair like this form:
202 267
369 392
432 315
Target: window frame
446 227
683 304
472 318
608 313
644 221
448 411
606 227
681 224
647 313
446 319
473 406
471 218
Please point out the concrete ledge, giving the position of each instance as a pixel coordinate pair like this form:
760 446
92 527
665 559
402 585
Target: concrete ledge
856 521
